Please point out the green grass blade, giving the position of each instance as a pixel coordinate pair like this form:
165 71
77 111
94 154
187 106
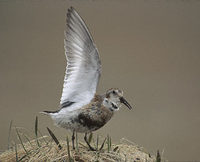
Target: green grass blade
90 138
108 143
16 154
36 125
54 138
42 137
36 131
9 133
97 142
77 148
68 150
158 157
20 139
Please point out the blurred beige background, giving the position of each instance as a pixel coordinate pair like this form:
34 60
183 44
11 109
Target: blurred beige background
150 49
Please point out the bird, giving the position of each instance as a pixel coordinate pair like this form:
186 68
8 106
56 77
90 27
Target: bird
81 110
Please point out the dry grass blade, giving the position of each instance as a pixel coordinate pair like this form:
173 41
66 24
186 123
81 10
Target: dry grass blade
115 149
125 158
54 138
42 137
9 133
21 141
36 131
22 157
83 145
28 140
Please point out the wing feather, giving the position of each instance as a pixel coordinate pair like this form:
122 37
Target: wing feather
83 64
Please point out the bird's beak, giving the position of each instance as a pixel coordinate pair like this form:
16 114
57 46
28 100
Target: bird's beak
123 100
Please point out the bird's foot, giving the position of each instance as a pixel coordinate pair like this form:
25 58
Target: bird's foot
92 148
88 143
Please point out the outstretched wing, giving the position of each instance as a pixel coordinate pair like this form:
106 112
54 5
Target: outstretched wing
83 64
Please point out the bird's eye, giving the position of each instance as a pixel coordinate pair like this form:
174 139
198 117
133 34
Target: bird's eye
114 92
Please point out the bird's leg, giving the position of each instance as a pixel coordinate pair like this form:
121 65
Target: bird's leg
86 140
73 137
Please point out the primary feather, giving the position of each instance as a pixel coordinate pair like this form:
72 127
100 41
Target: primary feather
83 64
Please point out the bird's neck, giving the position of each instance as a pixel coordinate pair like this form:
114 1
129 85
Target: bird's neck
109 104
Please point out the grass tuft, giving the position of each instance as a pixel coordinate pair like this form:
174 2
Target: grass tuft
48 150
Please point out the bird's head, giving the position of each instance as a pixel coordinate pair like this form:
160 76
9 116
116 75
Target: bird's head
114 98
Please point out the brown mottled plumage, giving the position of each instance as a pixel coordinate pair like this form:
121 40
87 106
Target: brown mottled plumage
94 115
